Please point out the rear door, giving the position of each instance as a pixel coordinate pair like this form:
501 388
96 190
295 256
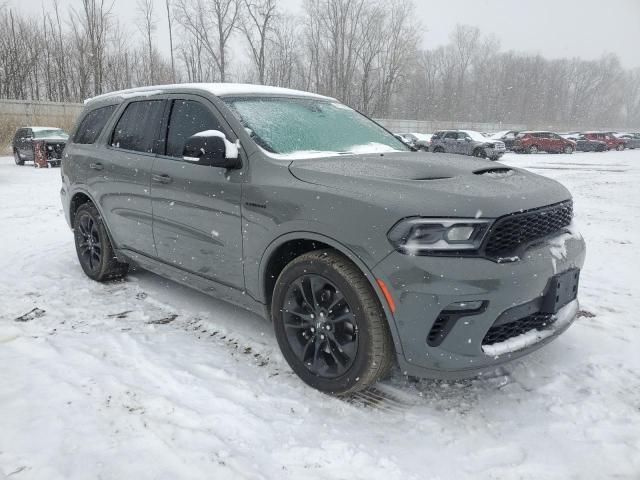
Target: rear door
450 142
196 208
122 179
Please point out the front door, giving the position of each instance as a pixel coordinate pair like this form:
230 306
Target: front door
196 208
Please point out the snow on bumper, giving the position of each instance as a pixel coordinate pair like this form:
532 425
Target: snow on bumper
563 319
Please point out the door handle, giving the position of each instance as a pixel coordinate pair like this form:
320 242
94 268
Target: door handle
164 178
96 166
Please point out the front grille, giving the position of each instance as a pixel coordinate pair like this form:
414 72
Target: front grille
510 232
54 150
505 331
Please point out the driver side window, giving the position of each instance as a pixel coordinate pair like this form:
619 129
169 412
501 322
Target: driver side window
187 118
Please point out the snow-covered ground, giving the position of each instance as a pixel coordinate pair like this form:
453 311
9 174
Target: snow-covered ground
147 379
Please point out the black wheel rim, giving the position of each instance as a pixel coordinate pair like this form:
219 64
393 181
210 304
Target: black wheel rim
320 326
89 246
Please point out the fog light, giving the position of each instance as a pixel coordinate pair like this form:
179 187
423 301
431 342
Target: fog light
464 306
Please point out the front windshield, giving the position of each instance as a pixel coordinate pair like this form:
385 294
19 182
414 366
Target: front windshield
298 127
477 136
53 132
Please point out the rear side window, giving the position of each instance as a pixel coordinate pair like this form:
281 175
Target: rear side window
92 124
138 126
188 118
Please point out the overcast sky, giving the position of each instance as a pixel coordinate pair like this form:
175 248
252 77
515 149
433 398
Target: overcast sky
553 28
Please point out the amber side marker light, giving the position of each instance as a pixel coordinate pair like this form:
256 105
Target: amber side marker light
387 295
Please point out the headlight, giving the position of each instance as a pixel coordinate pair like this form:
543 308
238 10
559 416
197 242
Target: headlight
423 236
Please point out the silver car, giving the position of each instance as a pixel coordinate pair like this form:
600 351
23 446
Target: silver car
467 142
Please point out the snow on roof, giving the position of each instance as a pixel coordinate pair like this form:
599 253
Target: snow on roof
219 89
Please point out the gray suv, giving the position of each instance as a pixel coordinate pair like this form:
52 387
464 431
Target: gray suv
467 142
362 253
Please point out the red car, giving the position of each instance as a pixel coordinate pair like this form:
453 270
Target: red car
534 142
611 140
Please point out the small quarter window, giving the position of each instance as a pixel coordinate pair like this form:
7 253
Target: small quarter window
92 124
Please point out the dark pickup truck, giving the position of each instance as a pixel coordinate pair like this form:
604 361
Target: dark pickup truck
41 145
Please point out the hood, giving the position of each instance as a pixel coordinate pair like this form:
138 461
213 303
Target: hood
431 184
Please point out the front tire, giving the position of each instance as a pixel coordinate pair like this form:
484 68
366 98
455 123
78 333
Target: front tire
330 325
620 147
93 246
568 149
17 159
479 153
533 149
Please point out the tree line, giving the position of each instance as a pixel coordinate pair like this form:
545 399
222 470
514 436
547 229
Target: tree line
366 53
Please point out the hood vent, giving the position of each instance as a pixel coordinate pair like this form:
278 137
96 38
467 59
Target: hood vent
497 172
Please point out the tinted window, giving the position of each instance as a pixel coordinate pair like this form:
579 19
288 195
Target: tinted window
92 124
138 126
453 135
188 118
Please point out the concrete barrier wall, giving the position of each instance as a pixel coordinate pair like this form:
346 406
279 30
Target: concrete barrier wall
430 126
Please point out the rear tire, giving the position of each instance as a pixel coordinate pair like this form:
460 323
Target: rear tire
438 150
17 159
93 246
330 325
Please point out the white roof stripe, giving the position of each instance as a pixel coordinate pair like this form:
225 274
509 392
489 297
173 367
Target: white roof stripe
219 89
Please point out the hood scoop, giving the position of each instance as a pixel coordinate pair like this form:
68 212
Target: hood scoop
495 172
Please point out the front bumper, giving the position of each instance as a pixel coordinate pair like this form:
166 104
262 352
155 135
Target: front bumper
423 286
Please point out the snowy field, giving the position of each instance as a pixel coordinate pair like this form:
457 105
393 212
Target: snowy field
145 379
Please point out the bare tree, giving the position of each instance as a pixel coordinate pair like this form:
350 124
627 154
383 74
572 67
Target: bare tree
94 18
256 25
173 65
211 22
147 25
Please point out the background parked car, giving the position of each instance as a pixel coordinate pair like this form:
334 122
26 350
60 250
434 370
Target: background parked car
467 142
41 145
583 144
534 142
613 142
421 141
507 137
632 139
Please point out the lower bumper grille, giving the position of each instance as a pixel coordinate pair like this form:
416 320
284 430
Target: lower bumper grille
505 331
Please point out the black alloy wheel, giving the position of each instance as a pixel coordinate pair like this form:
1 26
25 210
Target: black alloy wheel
89 246
320 326
330 323
93 246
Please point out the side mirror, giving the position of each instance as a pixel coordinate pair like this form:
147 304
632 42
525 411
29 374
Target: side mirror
467 139
211 148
